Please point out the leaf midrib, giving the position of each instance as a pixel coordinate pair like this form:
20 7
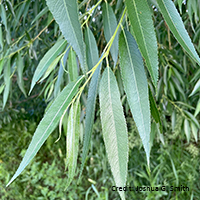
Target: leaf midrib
67 13
52 120
177 29
110 98
134 79
138 19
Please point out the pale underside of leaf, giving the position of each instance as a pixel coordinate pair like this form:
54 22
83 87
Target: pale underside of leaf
65 13
141 21
48 124
73 133
114 128
176 26
136 87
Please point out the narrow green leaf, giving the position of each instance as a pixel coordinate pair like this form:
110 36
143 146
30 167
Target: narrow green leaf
48 124
2 88
20 68
114 128
187 130
51 68
188 114
194 130
196 88
72 65
7 82
73 133
3 16
91 48
1 38
48 58
197 110
141 21
154 111
1 64
90 109
61 72
65 13
40 14
110 24
176 26
135 86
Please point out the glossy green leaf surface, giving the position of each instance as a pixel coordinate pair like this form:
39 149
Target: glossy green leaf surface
114 128
73 132
110 24
48 124
48 58
65 13
176 26
141 21
135 86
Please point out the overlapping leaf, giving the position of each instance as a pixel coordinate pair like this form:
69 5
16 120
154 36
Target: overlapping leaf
141 21
48 123
135 85
176 26
73 132
90 109
48 58
114 128
65 13
92 58
110 24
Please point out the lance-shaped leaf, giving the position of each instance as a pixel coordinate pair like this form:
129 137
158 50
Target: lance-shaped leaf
154 111
72 65
48 123
176 26
110 24
7 82
65 13
141 21
114 128
90 109
135 86
196 88
48 58
73 132
60 73
20 68
91 48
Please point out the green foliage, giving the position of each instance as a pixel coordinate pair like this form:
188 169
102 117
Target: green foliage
114 128
66 12
47 57
135 86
